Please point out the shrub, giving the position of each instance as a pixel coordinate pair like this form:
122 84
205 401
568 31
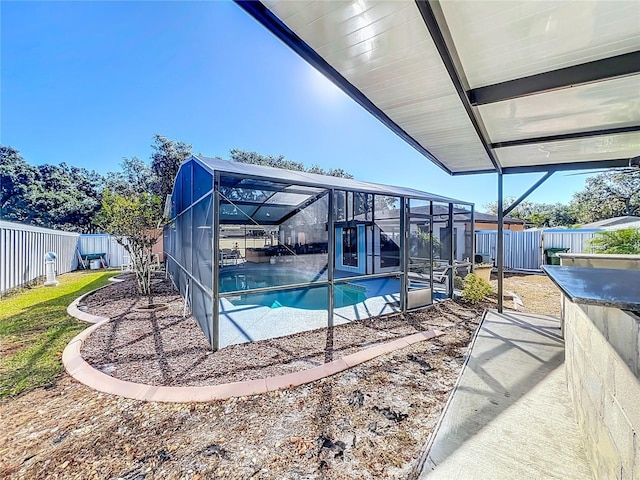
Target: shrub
625 241
458 282
475 289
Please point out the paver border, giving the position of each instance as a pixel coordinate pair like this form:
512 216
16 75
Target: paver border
85 373
75 312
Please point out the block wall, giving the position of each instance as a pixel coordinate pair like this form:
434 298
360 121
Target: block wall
603 376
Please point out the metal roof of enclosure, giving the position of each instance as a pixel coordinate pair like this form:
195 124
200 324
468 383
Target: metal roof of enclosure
482 86
284 178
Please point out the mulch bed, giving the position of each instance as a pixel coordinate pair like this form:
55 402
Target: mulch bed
164 349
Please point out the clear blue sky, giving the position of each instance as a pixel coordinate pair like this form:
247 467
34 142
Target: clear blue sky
89 83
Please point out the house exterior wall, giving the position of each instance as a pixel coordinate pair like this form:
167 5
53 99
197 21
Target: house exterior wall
494 226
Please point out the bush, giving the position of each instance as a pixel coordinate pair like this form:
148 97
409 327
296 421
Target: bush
625 241
458 282
475 289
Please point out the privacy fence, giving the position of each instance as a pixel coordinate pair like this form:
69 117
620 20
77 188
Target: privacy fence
115 254
22 250
525 250
23 247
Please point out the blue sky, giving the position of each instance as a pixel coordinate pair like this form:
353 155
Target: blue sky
89 83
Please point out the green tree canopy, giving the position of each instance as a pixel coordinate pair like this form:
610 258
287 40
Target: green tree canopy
17 186
607 195
538 214
52 196
254 158
67 198
165 162
134 177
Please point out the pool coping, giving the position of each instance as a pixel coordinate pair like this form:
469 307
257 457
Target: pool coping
86 374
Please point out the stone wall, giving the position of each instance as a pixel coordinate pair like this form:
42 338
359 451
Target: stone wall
603 375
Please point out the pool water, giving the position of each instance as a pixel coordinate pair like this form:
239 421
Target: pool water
250 277
309 298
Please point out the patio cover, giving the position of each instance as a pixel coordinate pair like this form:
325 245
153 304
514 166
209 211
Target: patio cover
482 86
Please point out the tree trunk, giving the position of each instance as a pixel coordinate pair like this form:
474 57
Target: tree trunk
142 268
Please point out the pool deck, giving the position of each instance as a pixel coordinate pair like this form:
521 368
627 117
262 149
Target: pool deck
243 323
510 414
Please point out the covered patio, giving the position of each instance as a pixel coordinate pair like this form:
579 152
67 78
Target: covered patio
506 88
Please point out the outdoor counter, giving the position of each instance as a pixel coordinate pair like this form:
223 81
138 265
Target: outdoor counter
601 328
607 287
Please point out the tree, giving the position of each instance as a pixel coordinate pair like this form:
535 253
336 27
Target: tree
607 195
17 186
166 159
538 214
48 195
133 221
254 158
68 198
135 177
624 241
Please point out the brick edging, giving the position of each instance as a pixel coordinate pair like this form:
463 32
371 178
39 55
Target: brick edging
75 312
82 371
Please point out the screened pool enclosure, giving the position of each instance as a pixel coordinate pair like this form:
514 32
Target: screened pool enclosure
260 252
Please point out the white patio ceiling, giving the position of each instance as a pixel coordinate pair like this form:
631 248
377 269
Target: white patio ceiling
482 86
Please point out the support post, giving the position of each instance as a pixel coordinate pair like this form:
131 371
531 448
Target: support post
215 253
404 202
431 259
473 237
452 249
500 252
331 247
527 193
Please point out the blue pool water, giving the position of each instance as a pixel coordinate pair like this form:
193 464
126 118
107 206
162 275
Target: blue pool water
260 276
248 277
313 298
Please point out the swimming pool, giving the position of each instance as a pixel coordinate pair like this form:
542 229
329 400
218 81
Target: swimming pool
248 277
308 298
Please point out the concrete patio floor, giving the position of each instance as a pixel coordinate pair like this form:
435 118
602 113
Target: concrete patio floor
510 416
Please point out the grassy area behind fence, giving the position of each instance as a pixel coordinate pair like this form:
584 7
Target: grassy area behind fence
35 329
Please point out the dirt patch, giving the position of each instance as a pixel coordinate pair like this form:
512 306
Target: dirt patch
537 292
369 422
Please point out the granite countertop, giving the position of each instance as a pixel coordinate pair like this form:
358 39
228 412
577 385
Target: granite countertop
608 287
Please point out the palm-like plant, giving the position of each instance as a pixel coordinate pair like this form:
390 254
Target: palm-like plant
625 241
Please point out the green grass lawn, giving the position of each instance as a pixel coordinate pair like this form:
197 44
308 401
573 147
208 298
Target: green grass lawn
35 329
